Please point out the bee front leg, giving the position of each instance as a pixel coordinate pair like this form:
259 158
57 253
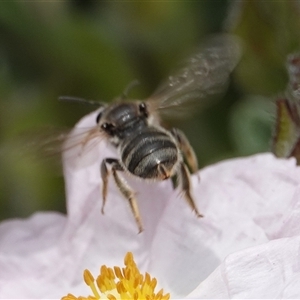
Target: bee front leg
186 148
124 188
184 177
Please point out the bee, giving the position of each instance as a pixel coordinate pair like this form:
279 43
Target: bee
145 148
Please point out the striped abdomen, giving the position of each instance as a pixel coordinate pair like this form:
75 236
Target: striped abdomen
150 153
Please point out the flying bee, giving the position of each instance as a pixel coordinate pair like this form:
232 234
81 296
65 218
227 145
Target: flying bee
145 148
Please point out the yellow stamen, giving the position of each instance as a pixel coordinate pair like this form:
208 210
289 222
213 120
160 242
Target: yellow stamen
121 283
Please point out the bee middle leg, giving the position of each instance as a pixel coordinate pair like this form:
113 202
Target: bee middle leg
184 177
122 185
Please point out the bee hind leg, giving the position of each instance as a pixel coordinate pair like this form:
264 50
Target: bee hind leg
186 149
122 185
184 178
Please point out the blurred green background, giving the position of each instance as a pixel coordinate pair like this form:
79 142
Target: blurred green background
93 49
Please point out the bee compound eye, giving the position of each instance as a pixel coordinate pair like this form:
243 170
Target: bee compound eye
105 126
98 117
109 128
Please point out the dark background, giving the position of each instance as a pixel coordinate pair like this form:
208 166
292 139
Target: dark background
93 49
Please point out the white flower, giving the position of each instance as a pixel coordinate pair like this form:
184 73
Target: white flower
246 246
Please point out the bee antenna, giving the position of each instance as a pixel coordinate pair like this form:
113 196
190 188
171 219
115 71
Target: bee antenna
128 88
80 100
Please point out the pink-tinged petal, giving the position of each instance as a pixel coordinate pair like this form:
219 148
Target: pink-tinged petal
246 202
40 231
271 270
28 254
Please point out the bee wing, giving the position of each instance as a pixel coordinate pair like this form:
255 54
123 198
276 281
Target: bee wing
205 73
81 141
52 143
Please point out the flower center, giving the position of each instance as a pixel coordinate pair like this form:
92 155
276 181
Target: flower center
126 283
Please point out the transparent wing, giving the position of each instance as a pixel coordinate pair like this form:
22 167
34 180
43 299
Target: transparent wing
205 73
51 143
81 142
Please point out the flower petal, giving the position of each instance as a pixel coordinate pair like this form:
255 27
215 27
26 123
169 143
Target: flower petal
28 252
271 270
246 202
